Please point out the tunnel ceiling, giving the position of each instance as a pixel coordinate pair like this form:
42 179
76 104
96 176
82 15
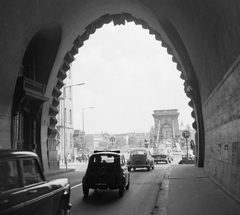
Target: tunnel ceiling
202 36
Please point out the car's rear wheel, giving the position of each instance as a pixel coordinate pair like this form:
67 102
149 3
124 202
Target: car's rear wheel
85 191
148 168
121 191
62 210
127 187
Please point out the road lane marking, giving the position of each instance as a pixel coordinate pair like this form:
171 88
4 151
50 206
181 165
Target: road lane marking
78 185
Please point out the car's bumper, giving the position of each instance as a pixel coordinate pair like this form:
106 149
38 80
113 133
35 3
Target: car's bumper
139 166
102 186
160 159
69 206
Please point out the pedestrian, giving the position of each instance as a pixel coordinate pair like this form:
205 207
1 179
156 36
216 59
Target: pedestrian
68 157
59 159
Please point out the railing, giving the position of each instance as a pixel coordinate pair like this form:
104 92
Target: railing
35 88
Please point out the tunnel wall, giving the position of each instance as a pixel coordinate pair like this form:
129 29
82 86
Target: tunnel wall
222 132
209 31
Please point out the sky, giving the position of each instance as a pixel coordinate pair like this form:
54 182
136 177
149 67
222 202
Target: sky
127 75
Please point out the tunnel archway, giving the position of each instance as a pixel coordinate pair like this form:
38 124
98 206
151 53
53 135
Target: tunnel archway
179 56
29 94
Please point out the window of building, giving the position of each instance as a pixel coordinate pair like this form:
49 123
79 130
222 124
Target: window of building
71 139
70 116
70 92
65 115
18 131
64 92
70 73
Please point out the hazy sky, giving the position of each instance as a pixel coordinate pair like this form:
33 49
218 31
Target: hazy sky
127 75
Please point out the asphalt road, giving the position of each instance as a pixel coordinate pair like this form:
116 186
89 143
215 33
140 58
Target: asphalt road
139 199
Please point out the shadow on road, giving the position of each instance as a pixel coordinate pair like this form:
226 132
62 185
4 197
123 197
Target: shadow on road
102 197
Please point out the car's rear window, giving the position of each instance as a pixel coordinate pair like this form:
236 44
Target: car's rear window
104 158
158 151
138 152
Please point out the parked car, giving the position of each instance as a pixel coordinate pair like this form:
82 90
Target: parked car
24 189
162 155
171 155
140 158
176 149
106 170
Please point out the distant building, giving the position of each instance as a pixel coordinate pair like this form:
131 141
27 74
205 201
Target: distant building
65 119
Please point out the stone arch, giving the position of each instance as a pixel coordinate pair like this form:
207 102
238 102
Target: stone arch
164 126
176 49
29 94
191 86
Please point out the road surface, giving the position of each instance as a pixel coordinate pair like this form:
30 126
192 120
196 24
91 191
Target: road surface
139 199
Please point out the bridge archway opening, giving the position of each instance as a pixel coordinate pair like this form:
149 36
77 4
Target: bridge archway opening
190 88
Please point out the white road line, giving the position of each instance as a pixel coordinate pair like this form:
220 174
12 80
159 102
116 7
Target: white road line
78 185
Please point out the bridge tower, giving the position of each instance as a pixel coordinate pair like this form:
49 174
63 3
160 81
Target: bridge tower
166 128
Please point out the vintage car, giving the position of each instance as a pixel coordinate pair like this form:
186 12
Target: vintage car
106 170
24 189
162 155
140 158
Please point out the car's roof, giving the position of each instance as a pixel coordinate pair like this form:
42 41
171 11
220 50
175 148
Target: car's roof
9 153
160 149
106 152
137 149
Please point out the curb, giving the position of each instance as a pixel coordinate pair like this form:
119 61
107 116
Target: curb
58 172
162 198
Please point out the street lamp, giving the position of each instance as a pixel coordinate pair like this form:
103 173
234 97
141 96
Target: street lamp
64 120
112 139
83 124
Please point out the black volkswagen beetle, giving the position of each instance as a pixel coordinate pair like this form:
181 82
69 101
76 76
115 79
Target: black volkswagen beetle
140 158
24 189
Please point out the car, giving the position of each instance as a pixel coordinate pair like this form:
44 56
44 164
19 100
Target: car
24 189
140 158
162 155
171 155
106 170
176 149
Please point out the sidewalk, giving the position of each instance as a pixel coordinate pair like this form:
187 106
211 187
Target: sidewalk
71 167
187 190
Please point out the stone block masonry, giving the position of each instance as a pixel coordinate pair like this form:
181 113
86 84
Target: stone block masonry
222 133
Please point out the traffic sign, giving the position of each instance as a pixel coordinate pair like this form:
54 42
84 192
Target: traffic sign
186 134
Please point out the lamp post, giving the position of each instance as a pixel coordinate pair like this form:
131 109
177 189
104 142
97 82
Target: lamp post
112 139
83 125
64 121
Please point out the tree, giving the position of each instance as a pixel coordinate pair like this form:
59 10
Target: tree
120 141
132 140
78 139
104 144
